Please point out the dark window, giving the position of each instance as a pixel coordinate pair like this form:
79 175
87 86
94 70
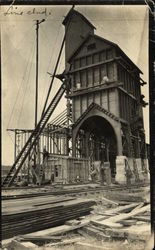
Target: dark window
91 46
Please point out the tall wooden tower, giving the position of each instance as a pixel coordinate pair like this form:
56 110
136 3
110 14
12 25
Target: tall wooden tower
106 100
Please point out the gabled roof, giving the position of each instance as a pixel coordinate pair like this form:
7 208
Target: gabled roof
108 42
92 106
72 12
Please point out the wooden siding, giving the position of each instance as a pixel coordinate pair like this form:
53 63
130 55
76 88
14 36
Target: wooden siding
77 31
99 45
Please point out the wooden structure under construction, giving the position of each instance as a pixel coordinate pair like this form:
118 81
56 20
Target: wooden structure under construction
103 121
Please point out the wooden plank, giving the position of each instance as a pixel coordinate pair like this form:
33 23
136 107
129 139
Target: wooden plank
118 218
40 218
128 222
124 196
65 242
11 210
107 224
109 201
119 209
142 218
139 206
56 230
39 238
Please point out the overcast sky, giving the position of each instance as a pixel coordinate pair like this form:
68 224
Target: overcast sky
125 25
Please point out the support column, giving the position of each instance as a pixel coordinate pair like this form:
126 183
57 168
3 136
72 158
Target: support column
119 139
120 169
73 143
120 159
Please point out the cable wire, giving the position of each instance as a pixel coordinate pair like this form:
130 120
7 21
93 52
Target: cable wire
20 42
51 58
23 99
21 85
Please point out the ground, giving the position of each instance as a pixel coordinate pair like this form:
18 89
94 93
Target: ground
140 194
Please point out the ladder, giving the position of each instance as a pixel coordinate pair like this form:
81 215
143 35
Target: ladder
20 159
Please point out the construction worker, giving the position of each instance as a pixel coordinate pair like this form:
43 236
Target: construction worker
45 153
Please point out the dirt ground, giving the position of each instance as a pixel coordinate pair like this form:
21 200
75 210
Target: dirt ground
101 206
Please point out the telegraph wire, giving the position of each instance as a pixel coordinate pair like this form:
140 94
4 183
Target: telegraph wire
19 43
23 99
20 87
49 64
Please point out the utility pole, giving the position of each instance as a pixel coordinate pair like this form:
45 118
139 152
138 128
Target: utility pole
36 97
36 94
37 60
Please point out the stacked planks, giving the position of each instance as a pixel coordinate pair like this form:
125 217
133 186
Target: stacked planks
30 215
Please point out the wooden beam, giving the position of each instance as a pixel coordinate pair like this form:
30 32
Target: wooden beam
94 65
115 219
121 209
93 89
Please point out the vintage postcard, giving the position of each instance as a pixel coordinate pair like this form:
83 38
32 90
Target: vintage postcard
75 127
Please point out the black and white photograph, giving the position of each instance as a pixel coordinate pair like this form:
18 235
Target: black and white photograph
75 168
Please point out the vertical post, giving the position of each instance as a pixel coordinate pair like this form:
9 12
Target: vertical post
36 96
37 57
15 144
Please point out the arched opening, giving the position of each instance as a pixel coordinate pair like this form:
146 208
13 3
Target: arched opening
96 140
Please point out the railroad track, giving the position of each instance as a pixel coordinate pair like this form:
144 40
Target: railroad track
76 192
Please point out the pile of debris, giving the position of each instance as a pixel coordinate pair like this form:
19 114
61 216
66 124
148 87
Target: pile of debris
107 220
123 223
131 221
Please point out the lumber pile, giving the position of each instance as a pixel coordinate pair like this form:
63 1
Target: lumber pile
123 222
41 213
48 222
114 225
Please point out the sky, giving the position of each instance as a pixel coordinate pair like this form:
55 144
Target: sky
125 25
